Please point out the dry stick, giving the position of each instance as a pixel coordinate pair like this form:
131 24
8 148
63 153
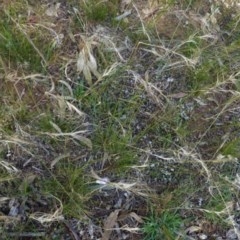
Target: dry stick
71 230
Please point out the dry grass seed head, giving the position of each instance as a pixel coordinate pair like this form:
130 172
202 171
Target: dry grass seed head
136 188
155 93
86 62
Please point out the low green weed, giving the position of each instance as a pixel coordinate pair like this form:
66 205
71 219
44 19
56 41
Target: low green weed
99 11
22 50
162 226
69 184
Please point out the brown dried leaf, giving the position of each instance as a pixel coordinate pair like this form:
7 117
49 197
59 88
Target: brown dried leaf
109 224
125 215
136 217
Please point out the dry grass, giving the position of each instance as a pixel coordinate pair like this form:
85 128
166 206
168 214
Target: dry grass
121 118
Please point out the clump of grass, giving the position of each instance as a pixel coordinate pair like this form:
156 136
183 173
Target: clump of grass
117 145
23 48
68 183
232 148
216 209
100 11
161 226
16 48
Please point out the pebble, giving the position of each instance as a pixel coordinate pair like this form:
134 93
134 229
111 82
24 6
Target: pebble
202 236
231 234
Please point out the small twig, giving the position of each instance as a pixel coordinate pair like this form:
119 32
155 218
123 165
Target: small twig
71 230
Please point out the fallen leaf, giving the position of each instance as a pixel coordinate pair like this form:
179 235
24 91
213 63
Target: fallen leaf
193 229
136 217
125 215
109 224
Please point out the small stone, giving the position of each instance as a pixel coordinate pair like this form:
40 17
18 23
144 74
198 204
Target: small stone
200 201
231 234
203 236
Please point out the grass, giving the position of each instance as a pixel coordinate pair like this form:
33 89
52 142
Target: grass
101 11
123 128
68 184
164 226
20 51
